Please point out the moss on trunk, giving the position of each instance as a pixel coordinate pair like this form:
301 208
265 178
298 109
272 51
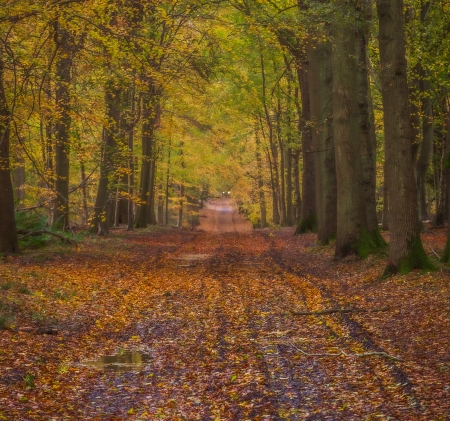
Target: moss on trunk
416 259
307 224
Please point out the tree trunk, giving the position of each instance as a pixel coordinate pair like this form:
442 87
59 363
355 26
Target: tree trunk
150 114
289 205
320 86
131 126
368 139
151 216
406 249
351 235
62 127
103 210
282 196
166 217
308 217
181 205
262 199
385 221
426 152
84 193
297 192
8 234
446 174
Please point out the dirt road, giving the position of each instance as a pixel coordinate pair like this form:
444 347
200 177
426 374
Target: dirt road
221 215
213 314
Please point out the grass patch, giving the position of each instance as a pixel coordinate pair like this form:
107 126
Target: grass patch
6 285
5 321
24 290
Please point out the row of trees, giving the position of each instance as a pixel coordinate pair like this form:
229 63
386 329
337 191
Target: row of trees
313 113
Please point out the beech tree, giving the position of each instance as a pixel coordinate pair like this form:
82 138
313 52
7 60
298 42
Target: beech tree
8 234
405 248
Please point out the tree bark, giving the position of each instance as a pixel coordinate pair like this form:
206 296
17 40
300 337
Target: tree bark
262 199
320 86
351 218
103 210
150 116
308 218
445 258
62 127
426 151
8 235
406 249
368 136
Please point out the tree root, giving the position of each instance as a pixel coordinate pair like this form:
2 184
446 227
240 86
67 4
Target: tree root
363 354
337 310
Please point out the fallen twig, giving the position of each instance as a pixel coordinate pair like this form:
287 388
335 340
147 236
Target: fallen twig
437 255
338 310
363 354
44 231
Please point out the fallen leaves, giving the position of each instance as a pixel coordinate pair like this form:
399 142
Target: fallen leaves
222 339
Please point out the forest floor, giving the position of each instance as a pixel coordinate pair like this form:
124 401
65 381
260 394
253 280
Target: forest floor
207 323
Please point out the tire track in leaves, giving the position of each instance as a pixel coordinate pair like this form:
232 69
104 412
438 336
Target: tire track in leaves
359 335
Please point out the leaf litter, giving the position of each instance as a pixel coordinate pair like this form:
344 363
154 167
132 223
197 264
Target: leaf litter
219 335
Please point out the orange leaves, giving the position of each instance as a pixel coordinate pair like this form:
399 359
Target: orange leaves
218 332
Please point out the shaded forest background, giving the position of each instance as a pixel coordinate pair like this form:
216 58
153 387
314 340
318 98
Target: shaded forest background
329 116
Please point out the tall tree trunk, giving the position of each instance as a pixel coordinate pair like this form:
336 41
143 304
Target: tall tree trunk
8 233
151 216
84 192
308 217
282 197
150 112
446 174
180 205
262 199
406 249
297 191
104 209
166 218
62 126
275 176
368 137
385 220
351 235
131 127
426 152
320 86
290 221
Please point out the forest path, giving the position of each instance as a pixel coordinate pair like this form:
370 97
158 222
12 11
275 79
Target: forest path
214 314
222 215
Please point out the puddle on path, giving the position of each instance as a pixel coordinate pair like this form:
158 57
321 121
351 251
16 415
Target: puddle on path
125 361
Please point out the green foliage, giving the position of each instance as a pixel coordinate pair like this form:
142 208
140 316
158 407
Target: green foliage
28 381
30 221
